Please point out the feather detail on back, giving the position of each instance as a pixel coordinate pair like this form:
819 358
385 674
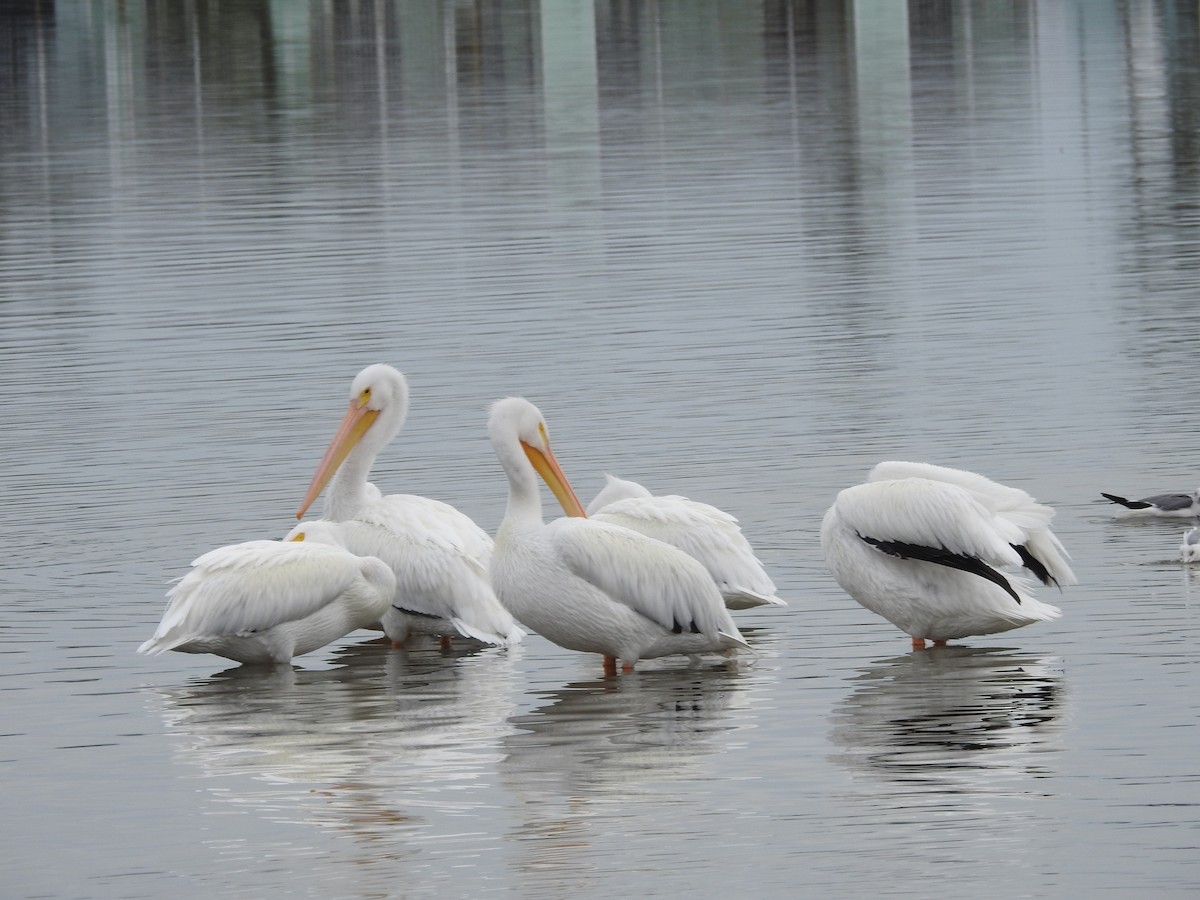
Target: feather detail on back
932 513
1011 504
707 534
652 578
259 585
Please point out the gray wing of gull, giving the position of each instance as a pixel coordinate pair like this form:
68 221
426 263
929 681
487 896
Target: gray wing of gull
1170 502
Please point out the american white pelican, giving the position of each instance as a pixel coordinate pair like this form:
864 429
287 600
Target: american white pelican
1171 506
267 601
439 556
1189 550
709 535
592 586
925 553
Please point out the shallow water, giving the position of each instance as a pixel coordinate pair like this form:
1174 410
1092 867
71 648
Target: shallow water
737 250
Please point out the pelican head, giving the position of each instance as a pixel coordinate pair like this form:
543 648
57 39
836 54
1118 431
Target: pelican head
515 423
378 408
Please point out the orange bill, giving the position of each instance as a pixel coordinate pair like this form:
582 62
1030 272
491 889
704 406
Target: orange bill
547 466
354 425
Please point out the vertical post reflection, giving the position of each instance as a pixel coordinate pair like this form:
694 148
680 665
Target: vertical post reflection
883 95
571 101
883 88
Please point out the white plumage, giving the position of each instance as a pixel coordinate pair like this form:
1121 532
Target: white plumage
923 546
1189 550
440 557
707 534
592 586
268 601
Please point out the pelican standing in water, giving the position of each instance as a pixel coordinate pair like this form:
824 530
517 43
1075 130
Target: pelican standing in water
707 534
264 602
440 557
922 547
592 586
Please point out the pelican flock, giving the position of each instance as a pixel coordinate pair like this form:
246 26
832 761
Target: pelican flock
941 553
925 547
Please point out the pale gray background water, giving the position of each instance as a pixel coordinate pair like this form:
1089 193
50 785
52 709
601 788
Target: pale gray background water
736 250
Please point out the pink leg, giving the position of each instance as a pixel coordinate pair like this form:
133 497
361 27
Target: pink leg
918 643
610 665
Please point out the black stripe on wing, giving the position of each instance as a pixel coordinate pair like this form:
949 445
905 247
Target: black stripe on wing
416 612
943 557
1132 504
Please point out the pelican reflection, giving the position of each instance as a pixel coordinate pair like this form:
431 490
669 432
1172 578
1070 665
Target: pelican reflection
950 714
390 748
591 749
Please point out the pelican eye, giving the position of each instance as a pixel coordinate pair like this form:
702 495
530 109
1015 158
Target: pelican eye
365 397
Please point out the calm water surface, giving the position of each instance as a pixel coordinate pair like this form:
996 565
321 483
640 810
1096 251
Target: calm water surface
737 250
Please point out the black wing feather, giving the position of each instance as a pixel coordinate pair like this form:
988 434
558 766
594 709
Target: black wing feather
1132 504
1034 565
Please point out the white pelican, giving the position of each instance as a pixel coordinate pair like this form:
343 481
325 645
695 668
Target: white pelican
925 552
1189 550
439 556
267 601
1171 506
591 586
707 534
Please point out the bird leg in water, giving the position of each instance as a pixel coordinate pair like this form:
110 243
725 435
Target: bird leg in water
918 643
610 665
445 642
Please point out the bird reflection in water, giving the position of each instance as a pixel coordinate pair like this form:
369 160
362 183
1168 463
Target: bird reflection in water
591 749
389 747
949 753
943 715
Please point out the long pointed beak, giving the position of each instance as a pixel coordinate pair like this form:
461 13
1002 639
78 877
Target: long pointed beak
547 466
354 425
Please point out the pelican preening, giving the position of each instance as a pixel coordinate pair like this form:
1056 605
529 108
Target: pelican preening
439 555
267 601
1171 506
587 585
923 546
705 533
